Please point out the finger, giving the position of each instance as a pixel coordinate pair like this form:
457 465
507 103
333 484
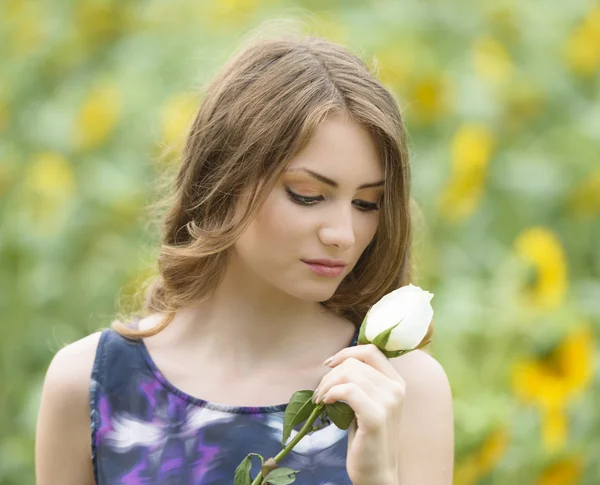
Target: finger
347 369
368 378
369 414
369 354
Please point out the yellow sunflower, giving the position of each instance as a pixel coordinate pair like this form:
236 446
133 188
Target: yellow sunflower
49 184
176 117
98 116
492 61
552 380
542 249
582 49
554 424
429 97
567 471
471 151
585 198
483 460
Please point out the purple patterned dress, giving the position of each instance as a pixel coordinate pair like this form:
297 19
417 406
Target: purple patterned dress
145 431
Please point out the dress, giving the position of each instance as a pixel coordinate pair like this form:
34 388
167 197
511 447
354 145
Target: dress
145 431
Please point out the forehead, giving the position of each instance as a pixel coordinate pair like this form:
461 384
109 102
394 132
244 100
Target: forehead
342 150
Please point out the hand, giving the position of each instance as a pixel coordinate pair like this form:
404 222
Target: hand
365 379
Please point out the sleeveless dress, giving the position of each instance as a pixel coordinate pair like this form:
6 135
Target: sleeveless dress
145 431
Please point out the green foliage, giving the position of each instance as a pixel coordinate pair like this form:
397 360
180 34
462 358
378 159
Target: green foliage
362 338
242 472
340 413
382 338
297 411
500 100
281 476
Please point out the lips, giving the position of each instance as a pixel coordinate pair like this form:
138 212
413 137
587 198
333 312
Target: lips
322 270
326 262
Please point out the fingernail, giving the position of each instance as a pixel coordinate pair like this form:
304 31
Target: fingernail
328 361
323 398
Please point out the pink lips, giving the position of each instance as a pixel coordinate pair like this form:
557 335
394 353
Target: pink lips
331 268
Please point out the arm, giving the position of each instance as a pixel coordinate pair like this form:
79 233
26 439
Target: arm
63 439
404 431
427 423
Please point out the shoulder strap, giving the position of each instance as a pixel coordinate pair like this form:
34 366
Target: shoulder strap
118 375
117 359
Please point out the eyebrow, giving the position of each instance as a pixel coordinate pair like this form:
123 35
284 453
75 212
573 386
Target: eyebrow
333 183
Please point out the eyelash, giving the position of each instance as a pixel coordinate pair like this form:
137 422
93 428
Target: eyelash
306 201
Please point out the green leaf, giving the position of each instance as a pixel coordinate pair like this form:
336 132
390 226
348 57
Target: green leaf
281 476
382 339
298 410
362 338
340 413
390 354
262 460
242 472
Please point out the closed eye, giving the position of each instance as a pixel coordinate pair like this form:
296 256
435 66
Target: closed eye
366 206
303 199
362 205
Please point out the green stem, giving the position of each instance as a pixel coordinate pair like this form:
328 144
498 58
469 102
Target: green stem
307 428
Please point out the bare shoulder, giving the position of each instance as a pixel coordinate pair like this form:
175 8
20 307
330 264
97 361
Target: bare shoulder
428 390
422 371
63 440
70 369
427 423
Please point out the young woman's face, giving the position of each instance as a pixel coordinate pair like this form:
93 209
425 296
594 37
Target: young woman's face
324 206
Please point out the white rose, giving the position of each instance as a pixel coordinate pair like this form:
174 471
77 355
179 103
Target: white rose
407 312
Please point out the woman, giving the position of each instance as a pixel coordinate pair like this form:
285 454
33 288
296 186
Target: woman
289 218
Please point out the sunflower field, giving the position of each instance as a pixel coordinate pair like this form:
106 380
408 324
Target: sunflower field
502 105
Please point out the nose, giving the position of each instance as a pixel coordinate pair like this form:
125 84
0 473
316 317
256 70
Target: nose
338 230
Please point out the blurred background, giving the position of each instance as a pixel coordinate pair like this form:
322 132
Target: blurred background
502 104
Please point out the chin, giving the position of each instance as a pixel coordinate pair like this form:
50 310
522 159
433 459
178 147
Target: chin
315 292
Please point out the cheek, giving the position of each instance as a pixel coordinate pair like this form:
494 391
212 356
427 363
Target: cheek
279 220
367 228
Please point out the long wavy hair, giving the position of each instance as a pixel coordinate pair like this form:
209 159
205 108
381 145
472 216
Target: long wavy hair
256 115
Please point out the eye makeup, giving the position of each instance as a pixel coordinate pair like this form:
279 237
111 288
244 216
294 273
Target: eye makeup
362 205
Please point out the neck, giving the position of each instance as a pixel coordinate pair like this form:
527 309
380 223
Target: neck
251 324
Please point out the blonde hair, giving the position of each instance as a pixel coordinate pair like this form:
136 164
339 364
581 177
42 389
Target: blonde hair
256 115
